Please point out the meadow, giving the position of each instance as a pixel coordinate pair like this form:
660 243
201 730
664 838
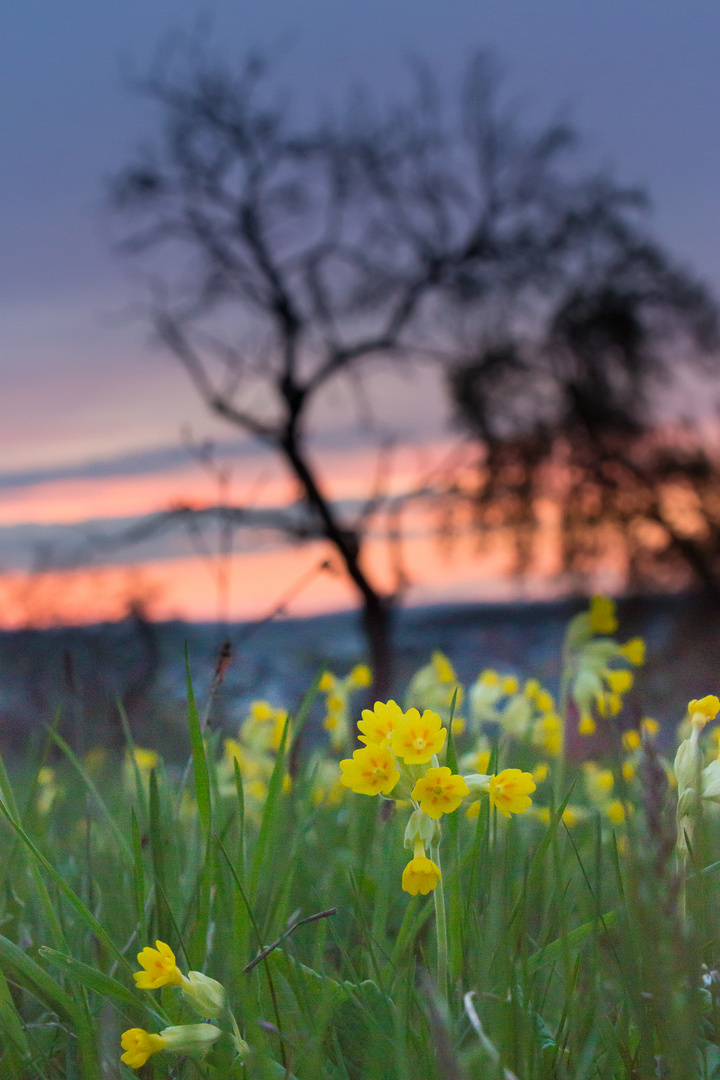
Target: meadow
482 881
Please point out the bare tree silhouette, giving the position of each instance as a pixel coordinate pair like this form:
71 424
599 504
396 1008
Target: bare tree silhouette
293 257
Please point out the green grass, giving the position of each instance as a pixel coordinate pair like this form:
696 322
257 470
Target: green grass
572 953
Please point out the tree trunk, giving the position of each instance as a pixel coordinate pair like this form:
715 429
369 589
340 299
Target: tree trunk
377 619
376 607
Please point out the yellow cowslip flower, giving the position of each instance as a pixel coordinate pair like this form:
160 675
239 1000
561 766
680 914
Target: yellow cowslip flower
260 711
331 721
335 703
587 724
510 685
160 968
481 761
544 701
702 710
458 725
598 782
327 682
547 734
650 727
570 816
279 718
619 681
360 676
146 759
634 651
602 615
370 771
416 738
377 723
258 789
510 791
139 1045
631 740
439 792
615 811
421 874
532 689
629 771
443 670
540 772
609 704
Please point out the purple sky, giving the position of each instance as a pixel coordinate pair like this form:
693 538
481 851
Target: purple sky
639 79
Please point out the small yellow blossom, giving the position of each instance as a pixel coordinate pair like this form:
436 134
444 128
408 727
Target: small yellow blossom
547 734
377 723
421 875
703 710
335 703
615 811
416 738
442 668
540 772
510 685
587 724
439 792
370 771
360 676
629 771
619 681
327 682
609 704
139 1045
631 740
481 761
510 791
279 720
598 782
261 711
544 701
602 615
650 727
570 816
458 725
146 759
634 651
160 968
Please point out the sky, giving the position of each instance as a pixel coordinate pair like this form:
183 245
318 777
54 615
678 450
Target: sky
91 414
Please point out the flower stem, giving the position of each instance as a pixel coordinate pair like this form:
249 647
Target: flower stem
440 926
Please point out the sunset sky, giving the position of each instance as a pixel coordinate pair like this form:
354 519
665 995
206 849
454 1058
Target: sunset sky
91 415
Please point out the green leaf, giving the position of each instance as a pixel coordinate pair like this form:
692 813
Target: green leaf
90 977
571 940
200 767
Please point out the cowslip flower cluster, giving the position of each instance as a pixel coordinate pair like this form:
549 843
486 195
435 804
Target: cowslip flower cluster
337 693
206 996
254 750
589 648
434 686
519 712
400 759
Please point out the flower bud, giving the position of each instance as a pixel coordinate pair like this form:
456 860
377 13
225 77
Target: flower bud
478 784
420 827
189 1038
687 765
206 995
